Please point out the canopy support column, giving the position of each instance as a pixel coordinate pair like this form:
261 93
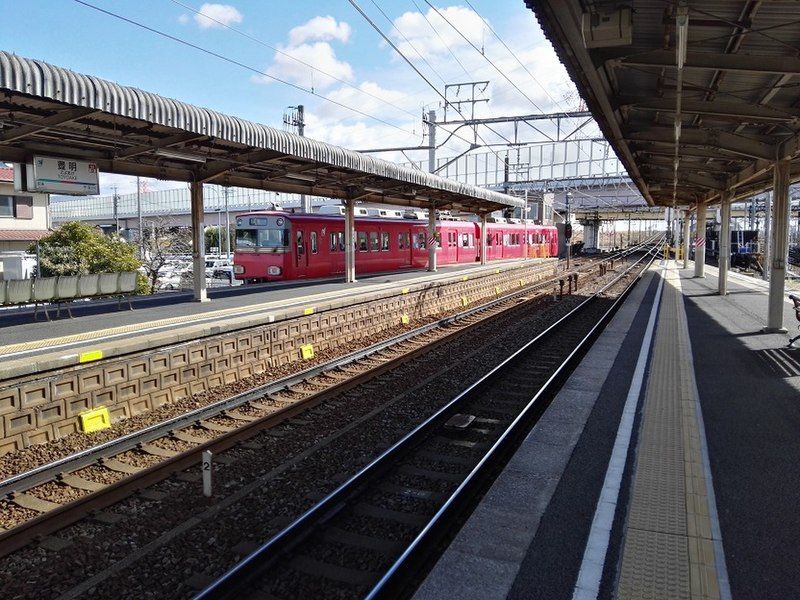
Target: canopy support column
687 219
780 241
198 243
432 238
484 237
724 242
700 241
349 241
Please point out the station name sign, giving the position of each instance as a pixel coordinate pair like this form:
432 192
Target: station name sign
52 175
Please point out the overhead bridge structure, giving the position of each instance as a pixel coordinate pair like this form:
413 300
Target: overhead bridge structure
46 110
697 98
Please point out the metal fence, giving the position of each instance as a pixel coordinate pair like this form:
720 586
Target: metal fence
165 202
547 161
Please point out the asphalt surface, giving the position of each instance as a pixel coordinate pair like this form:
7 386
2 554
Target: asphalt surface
752 418
551 566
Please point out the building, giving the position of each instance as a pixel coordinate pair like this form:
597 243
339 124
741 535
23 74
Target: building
24 218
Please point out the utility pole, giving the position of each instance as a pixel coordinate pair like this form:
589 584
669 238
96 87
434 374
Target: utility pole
116 211
568 230
139 211
227 227
432 209
295 119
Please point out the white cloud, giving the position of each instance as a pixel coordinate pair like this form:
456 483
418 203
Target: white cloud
320 54
217 15
424 40
320 28
183 19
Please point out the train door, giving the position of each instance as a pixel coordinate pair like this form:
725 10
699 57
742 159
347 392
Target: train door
301 252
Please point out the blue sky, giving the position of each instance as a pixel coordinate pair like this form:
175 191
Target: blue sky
329 35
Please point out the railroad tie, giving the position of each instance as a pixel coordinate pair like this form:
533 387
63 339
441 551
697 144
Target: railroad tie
32 502
119 466
188 437
80 483
318 568
378 512
157 450
384 546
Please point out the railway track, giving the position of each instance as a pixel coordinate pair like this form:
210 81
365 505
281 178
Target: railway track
372 533
97 477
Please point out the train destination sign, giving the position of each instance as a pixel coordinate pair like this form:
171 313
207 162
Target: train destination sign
64 176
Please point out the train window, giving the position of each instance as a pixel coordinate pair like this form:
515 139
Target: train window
471 240
403 241
497 239
384 240
400 244
419 240
489 239
334 243
465 240
374 243
313 242
362 241
300 249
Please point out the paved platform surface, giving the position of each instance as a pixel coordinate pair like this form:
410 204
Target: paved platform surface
164 319
714 428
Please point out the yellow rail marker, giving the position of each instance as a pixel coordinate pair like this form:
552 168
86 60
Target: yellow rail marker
464 278
95 420
404 291
309 311
497 289
521 283
464 301
307 351
85 357
404 319
497 271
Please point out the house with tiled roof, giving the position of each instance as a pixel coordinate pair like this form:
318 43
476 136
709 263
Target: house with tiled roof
24 218
23 215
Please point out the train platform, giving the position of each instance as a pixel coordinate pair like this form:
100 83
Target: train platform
29 346
666 467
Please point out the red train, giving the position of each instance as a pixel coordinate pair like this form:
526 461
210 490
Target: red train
272 246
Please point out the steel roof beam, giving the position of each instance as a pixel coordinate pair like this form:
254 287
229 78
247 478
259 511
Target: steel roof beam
741 63
735 110
165 142
59 118
736 144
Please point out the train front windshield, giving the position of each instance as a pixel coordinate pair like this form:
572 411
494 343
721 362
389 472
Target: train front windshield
262 238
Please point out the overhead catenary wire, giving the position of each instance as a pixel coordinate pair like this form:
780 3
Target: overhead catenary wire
411 64
294 58
240 64
356 88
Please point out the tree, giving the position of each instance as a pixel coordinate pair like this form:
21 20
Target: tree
77 248
161 243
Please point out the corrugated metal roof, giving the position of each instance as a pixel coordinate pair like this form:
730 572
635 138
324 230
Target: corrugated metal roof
22 235
39 79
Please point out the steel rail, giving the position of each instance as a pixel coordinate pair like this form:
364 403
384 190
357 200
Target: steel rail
70 512
130 441
249 568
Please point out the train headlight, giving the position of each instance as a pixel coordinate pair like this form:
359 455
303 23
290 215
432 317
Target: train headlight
238 269
274 270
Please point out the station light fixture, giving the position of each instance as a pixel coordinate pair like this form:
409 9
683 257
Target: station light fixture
301 177
178 155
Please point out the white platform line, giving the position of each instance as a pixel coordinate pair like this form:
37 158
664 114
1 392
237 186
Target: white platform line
590 575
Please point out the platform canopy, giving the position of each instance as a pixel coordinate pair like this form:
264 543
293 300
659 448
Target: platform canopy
696 97
51 111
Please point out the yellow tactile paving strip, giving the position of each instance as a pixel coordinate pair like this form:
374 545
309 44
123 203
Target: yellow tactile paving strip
668 552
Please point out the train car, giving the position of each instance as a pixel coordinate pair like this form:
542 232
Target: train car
275 246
